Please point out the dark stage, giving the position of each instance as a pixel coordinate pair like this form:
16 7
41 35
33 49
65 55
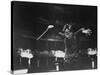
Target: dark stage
50 37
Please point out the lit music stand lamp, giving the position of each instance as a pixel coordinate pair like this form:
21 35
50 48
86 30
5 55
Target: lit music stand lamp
26 54
91 54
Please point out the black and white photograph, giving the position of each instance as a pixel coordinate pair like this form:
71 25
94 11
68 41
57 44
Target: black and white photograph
53 37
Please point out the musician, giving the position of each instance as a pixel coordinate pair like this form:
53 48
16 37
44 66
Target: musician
70 37
66 31
67 36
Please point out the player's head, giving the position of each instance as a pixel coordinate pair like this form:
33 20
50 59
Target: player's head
67 27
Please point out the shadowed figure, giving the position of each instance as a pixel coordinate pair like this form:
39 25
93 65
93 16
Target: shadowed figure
72 39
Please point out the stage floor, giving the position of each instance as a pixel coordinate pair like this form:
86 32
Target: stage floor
79 63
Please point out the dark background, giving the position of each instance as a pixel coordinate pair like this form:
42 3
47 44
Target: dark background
33 18
30 20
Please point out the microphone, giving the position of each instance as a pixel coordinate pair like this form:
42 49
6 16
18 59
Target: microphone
50 26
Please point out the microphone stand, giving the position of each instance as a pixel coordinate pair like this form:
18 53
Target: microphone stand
38 61
42 34
50 26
